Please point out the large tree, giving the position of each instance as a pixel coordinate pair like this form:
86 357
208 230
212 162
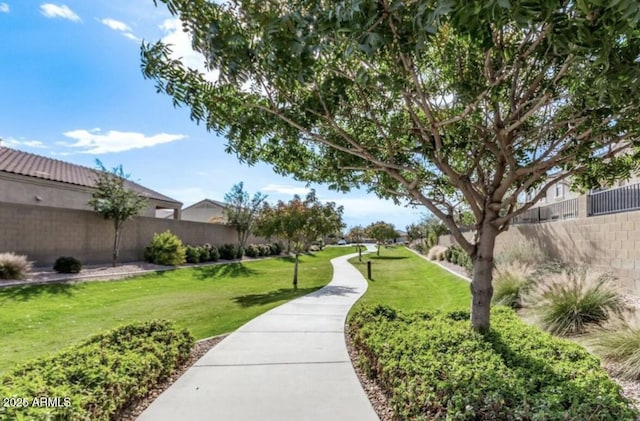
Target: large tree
450 104
299 222
113 200
241 210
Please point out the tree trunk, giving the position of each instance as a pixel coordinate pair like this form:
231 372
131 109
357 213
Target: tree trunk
378 248
116 243
295 273
359 253
481 284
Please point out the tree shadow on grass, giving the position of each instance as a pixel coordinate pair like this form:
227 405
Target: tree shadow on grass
388 257
28 292
228 270
251 300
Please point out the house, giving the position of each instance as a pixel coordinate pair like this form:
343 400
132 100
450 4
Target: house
31 179
206 210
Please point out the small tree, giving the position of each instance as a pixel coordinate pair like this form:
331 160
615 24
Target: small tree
241 211
356 235
111 199
299 222
381 231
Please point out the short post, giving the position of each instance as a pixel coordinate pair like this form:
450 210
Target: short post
369 269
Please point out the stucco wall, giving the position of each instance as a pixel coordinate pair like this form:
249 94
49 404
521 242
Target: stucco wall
46 233
607 242
203 213
33 191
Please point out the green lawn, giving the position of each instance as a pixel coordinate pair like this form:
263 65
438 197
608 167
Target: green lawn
408 282
40 319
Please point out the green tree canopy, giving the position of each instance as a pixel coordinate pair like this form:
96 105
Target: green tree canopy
241 210
449 104
299 222
113 200
381 232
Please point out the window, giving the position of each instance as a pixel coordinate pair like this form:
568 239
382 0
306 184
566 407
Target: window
559 190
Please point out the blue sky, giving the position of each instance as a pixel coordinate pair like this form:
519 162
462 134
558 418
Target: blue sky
71 88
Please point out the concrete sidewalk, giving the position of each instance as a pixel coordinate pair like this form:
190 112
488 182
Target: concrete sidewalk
290 363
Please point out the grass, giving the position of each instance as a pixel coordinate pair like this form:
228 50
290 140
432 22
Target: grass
40 319
408 282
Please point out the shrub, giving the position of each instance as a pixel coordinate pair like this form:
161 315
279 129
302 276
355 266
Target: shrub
192 254
456 255
214 254
205 253
100 376
621 347
265 249
67 264
14 266
252 250
567 303
526 251
165 249
510 282
436 253
228 251
433 366
276 249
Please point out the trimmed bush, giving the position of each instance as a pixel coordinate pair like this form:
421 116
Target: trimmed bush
214 254
192 254
456 255
165 249
264 249
228 251
252 250
14 266
510 283
205 254
101 376
276 249
569 302
239 252
434 366
67 264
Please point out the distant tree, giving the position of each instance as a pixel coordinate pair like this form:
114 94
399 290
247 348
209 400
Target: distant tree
241 211
299 222
356 235
381 231
416 232
113 200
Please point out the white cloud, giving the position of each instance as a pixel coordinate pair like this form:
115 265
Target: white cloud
116 25
120 27
4 8
288 190
188 195
180 44
13 142
96 142
364 210
51 10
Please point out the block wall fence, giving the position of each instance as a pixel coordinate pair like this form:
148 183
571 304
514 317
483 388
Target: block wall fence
608 242
44 233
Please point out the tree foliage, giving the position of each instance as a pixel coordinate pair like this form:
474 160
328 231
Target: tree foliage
356 235
381 232
113 200
299 222
453 105
241 210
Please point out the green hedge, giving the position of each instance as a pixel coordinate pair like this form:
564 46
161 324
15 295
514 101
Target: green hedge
98 378
433 366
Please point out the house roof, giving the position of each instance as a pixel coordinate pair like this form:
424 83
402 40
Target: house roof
206 201
31 165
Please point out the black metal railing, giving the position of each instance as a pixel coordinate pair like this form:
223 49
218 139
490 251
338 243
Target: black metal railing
567 209
621 199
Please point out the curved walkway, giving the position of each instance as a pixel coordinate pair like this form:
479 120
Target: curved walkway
290 363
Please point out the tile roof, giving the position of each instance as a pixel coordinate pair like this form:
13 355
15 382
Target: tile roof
31 165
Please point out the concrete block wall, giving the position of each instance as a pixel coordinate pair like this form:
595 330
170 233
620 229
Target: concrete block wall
608 242
46 233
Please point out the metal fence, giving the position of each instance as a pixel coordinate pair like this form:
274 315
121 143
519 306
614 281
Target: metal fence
621 199
567 209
